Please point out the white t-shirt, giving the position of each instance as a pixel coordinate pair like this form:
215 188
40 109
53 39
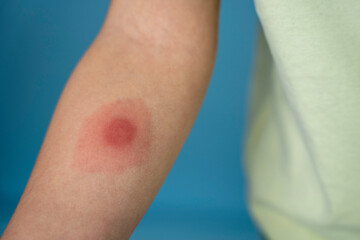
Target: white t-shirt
303 145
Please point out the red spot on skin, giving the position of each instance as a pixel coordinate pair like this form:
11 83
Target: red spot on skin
119 132
114 138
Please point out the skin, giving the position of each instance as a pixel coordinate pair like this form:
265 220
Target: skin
120 122
114 138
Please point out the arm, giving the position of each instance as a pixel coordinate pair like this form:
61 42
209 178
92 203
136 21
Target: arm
120 122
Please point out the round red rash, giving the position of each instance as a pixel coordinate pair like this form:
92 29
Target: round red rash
119 132
114 138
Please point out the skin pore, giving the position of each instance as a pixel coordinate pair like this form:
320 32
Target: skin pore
120 122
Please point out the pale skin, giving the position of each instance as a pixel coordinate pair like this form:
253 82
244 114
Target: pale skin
120 122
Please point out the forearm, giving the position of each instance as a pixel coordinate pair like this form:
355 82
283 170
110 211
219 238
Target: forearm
120 122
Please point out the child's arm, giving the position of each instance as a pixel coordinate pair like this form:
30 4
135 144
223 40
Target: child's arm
120 122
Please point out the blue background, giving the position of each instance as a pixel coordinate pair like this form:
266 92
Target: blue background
204 195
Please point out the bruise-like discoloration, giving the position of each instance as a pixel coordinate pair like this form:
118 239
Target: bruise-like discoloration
119 132
114 138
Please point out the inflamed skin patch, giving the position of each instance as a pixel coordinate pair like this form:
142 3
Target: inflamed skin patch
115 137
